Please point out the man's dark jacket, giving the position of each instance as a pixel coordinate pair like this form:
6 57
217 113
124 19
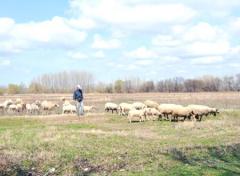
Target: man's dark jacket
78 95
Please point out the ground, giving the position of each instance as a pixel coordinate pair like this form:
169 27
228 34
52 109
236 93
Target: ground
106 144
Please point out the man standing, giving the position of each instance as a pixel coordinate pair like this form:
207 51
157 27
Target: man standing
78 97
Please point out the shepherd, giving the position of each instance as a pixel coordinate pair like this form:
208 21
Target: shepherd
78 97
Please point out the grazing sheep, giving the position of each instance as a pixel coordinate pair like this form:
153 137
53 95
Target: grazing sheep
21 107
202 110
136 115
32 108
124 108
12 108
184 112
151 104
69 108
167 109
48 106
1 107
138 105
89 108
7 103
152 114
111 107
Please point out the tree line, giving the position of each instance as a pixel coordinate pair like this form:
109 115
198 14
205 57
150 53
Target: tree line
66 81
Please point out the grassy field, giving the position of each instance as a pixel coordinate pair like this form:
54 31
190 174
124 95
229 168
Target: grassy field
106 144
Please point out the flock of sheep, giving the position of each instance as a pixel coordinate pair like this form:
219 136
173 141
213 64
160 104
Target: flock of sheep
151 110
45 107
137 111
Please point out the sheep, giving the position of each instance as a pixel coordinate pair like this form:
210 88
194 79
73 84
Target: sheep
12 108
1 107
111 107
48 106
32 108
19 101
124 108
153 113
167 109
151 104
88 108
7 103
69 108
202 110
138 105
139 114
184 112
21 107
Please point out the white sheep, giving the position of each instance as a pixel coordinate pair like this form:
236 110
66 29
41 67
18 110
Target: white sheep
151 104
136 115
138 105
12 108
152 113
124 108
48 106
167 109
111 107
7 103
202 110
19 101
69 108
89 108
32 108
184 112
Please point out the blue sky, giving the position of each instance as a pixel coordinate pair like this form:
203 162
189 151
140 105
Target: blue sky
149 39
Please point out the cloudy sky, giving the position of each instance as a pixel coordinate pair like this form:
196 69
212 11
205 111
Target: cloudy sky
150 39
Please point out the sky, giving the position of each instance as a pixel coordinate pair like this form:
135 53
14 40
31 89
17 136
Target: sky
119 39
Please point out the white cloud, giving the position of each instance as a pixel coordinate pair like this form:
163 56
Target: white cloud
81 23
165 41
144 62
197 40
77 55
100 43
207 48
235 25
133 15
207 60
141 53
51 33
5 25
99 54
5 62
202 32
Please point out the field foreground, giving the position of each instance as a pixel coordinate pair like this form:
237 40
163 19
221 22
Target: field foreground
105 144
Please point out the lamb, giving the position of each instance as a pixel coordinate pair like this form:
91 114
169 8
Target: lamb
111 107
89 108
151 104
69 108
136 115
184 112
124 108
167 109
138 105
